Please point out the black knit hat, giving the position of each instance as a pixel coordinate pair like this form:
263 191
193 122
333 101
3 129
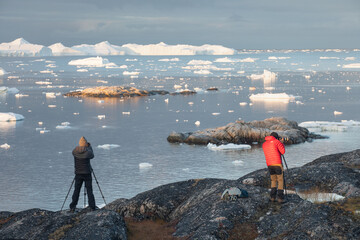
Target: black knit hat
275 135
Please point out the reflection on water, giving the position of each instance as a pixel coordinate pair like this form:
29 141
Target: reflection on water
275 105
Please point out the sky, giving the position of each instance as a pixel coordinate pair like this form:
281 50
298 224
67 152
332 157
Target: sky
238 24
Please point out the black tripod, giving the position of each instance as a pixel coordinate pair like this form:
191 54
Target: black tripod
283 158
72 183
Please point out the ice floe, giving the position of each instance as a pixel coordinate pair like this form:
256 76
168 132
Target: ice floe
64 125
203 72
230 146
199 62
337 113
169 60
323 126
8 117
145 165
238 162
352 65
127 73
92 62
5 146
2 72
274 97
108 146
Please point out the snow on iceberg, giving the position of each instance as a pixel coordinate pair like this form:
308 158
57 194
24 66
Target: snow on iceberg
230 146
274 97
325 126
2 72
267 76
8 117
180 49
352 65
58 49
22 48
102 49
91 62
108 146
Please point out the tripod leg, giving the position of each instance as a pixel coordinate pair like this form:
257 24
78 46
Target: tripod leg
102 195
72 183
84 196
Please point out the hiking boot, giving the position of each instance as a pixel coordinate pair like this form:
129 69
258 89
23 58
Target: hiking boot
281 196
273 194
95 208
72 210
272 199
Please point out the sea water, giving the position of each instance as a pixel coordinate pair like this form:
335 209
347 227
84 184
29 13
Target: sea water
128 136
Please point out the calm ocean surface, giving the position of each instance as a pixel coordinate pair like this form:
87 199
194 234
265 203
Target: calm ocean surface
37 170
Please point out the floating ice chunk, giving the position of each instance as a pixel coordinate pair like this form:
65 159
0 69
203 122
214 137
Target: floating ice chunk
169 60
9 117
43 82
329 58
197 123
275 97
337 113
101 117
2 72
267 76
5 146
50 95
63 125
243 103
131 60
231 111
203 72
352 65
278 58
238 162
19 95
44 131
91 62
191 103
127 73
166 100
52 106
325 126
199 62
215 114
126 113
145 165
9 90
320 197
82 70
46 71
108 146
350 58
229 146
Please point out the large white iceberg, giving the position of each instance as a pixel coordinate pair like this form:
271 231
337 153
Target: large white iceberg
9 117
273 97
22 48
102 48
92 62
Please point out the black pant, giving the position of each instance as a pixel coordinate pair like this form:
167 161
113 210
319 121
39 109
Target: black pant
79 179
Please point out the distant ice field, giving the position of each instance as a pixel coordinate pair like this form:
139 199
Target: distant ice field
129 135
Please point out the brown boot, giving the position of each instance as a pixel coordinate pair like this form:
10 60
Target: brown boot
281 196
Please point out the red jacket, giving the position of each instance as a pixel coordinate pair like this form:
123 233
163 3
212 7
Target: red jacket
273 149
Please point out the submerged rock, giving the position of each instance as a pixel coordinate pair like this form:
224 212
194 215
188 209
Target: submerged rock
241 132
114 91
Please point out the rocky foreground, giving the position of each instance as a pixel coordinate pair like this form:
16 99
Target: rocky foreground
241 132
195 211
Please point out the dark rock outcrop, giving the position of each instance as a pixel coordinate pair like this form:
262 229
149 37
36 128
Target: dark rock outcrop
337 173
42 224
241 132
114 91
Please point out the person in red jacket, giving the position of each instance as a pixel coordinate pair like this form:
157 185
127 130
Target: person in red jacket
273 149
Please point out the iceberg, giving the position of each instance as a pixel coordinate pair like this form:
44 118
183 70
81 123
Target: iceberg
145 165
2 72
102 49
22 48
9 117
58 49
352 65
203 72
230 146
91 62
275 97
230 60
5 146
267 76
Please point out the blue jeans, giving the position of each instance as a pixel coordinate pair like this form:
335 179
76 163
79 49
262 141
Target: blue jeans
79 179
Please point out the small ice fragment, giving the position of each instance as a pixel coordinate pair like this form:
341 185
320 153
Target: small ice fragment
5 146
19 95
190 103
348 88
197 123
229 146
100 101
215 114
44 131
243 103
50 95
101 117
166 100
108 146
52 106
126 113
337 113
238 162
145 165
76 113
231 111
